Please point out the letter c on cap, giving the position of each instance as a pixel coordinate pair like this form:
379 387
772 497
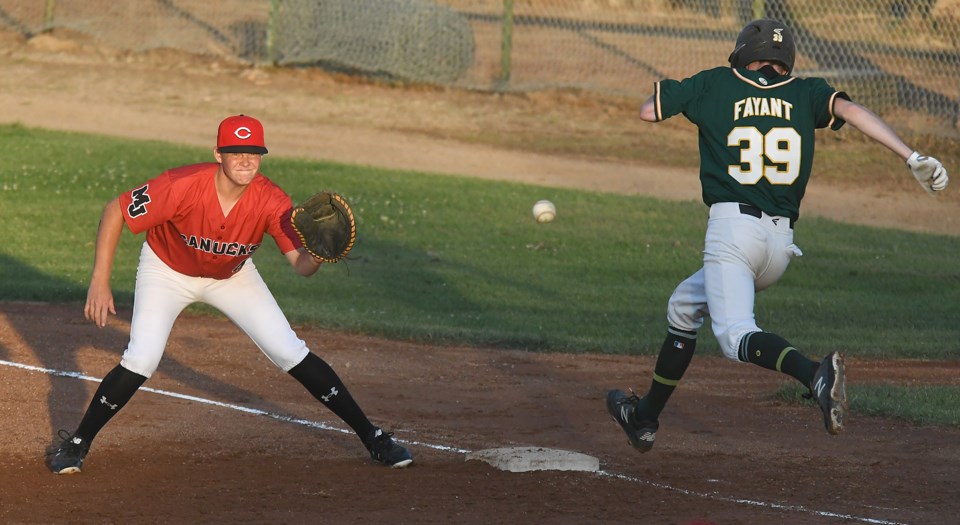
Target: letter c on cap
243 132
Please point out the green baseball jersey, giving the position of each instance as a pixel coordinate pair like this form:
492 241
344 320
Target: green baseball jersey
756 135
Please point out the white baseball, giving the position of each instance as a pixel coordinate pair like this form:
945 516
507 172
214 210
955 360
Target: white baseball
544 211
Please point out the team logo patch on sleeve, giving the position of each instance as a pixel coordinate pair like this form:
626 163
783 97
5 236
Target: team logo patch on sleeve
138 206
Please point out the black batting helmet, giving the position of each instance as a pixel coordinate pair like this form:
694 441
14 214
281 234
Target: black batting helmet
764 39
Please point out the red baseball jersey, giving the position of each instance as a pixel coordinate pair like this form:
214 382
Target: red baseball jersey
185 226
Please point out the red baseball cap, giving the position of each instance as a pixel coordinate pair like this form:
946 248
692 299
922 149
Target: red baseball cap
240 134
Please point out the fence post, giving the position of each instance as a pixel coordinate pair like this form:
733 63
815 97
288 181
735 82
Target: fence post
272 32
48 16
506 44
758 9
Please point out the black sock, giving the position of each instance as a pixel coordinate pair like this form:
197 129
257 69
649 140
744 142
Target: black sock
774 353
116 389
320 379
675 356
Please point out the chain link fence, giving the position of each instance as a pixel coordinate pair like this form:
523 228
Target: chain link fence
899 57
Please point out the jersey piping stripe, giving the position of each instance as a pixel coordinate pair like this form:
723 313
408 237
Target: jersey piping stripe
833 100
761 86
656 99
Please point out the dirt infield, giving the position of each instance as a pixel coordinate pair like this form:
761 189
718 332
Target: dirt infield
224 437
726 452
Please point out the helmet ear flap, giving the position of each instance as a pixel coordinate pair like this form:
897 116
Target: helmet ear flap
734 57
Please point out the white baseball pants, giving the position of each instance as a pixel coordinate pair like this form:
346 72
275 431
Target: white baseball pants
162 293
742 255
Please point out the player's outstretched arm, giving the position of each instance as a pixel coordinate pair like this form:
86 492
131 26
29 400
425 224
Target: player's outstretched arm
99 296
648 111
928 171
871 125
302 262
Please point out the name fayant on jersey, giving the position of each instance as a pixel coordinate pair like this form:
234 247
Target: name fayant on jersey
762 107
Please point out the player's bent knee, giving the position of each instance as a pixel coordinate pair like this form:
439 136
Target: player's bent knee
730 339
729 351
684 315
144 368
287 359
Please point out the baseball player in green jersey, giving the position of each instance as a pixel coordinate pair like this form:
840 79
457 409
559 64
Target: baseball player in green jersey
756 133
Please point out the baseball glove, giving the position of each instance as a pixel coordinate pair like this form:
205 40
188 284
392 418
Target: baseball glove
326 226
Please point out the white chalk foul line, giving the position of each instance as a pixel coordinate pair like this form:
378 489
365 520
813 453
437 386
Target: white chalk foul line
753 503
247 410
445 448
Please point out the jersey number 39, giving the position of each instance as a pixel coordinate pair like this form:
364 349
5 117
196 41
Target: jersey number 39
780 145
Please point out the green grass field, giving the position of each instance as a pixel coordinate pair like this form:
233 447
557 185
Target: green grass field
450 259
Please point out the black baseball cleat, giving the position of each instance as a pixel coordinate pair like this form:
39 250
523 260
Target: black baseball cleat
385 450
829 389
68 458
623 410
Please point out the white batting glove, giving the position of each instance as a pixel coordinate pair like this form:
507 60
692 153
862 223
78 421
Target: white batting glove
928 171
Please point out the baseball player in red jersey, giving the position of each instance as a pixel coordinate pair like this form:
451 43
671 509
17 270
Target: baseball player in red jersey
203 222
756 127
